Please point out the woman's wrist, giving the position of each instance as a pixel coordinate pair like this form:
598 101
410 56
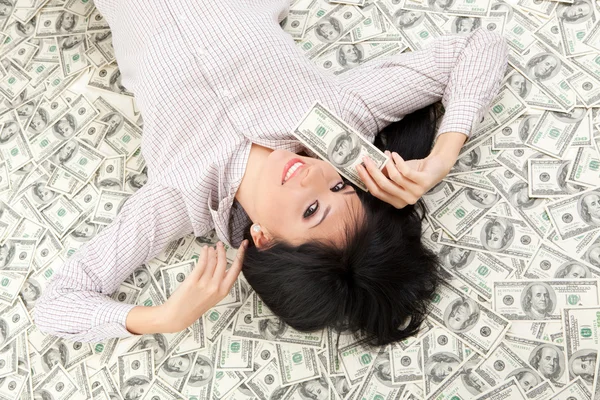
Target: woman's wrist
447 146
153 319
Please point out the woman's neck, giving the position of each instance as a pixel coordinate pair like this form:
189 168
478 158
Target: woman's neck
256 159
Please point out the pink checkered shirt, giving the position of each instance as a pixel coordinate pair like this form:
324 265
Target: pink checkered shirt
212 77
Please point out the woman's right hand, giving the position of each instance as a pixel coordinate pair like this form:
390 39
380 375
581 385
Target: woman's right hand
207 284
404 182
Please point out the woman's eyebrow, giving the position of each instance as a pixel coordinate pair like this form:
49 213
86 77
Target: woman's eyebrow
329 209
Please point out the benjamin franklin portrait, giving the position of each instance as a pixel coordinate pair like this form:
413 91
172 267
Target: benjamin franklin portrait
328 30
157 342
548 360
572 270
344 149
538 300
135 388
66 22
201 373
455 257
480 198
461 315
271 328
575 13
65 127
350 54
589 208
465 25
519 197
526 125
316 389
583 363
527 378
9 131
405 19
571 117
114 121
178 366
440 365
519 84
497 234
543 66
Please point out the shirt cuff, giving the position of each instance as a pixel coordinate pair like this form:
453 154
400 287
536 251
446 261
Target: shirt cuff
461 116
111 316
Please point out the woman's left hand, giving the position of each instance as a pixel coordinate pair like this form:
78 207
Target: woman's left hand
403 182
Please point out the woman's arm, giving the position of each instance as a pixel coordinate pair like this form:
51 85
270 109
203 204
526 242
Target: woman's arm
463 71
76 305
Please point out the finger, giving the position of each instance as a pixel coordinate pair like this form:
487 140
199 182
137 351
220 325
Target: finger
236 267
199 268
396 176
211 263
221 263
407 171
374 188
386 185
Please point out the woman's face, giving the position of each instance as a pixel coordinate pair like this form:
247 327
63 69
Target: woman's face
312 203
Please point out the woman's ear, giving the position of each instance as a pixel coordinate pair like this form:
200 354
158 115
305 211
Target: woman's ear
259 236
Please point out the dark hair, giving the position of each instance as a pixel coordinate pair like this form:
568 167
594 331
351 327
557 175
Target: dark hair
381 275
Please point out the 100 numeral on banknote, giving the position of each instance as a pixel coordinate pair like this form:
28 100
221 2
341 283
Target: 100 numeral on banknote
334 141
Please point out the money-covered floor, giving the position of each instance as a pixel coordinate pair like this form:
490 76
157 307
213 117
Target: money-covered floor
516 222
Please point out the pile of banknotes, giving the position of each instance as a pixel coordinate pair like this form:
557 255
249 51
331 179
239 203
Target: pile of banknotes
516 223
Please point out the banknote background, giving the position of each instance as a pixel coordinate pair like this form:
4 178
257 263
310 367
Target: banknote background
516 222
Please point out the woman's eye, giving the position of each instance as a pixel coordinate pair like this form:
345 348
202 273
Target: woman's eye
311 210
339 186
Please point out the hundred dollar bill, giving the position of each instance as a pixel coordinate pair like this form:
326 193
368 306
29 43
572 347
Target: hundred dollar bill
79 7
575 22
135 371
10 286
479 158
57 385
20 253
550 263
501 236
576 389
548 70
17 387
463 25
271 329
543 391
586 87
464 7
462 210
584 167
265 383
542 300
68 125
479 270
108 206
418 29
514 190
442 353
576 214
61 214
530 94
235 354
9 359
518 26
334 141
475 180
472 322
554 131
226 382
159 389
296 364
200 382
78 159
371 27
58 22
123 135
331 27
547 178
377 384
108 78
582 342
547 359
502 364
103 378
66 354
514 134
45 114
355 358
406 364
177 369
13 81
260 309
14 148
72 50
460 382
217 319
510 389
295 23
341 58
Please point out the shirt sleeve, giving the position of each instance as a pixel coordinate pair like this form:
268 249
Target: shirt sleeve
75 305
463 71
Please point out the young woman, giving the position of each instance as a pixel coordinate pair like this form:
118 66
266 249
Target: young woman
221 87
